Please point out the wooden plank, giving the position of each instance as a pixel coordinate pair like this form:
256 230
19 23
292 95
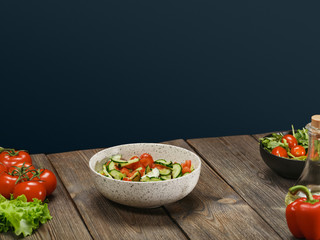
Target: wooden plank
106 219
66 222
213 210
238 161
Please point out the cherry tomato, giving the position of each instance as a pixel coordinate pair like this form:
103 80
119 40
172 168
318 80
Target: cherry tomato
280 152
12 158
3 168
291 140
49 180
146 159
7 184
31 189
298 151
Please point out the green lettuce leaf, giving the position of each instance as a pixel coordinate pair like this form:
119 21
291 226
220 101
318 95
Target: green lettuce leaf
22 217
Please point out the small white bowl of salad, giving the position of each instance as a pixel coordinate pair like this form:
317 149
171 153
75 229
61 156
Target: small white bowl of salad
145 175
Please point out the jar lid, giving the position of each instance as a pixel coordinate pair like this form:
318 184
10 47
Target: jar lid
315 121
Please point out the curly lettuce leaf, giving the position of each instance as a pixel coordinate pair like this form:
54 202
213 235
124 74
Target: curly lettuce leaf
270 143
302 137
22 217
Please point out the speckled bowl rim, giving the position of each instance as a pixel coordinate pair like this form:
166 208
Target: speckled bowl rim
195 171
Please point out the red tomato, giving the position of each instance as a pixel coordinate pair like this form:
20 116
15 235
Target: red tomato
142 171
125 171
11 158
298 151
291 140
137 165
31 190
133 165
127 179
146 159
49 180
280 152
185 170
130 174
3 168
188 163
7 184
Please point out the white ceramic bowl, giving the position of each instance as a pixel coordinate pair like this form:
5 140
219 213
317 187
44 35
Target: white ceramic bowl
146 194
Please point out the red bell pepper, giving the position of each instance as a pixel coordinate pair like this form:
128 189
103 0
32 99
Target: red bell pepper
303 215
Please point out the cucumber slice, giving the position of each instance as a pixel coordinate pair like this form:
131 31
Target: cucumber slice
165 171
154 179
148 169
185 174
154 173
111 166
136 176
105 171
150 179
167 177
117 159
164 163
176 170
145 179
116 174
123 164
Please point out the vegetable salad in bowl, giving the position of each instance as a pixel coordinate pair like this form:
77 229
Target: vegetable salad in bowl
145 175
293 146
144 168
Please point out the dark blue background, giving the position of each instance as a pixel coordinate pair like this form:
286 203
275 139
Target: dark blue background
86 74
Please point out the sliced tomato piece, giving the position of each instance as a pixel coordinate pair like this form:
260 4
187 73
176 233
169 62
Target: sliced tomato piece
125 171
142 171
159 166
137 165
188 163
185 170
146 159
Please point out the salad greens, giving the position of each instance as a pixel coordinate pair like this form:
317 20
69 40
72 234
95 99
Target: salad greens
275 140
22 217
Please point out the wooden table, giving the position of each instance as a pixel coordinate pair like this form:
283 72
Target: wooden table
237 197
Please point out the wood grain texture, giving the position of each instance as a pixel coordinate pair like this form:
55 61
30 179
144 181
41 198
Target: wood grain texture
66 222
106 219
213 210
238 161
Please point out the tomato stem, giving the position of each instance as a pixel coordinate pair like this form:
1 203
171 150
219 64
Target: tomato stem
22 173
13 152
2 149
